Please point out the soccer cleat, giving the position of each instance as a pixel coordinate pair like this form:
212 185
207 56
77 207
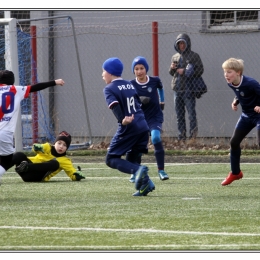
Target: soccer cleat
132 178
232 177
140 175
163 175
22 167
145 189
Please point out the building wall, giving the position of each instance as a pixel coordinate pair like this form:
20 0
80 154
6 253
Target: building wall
127 34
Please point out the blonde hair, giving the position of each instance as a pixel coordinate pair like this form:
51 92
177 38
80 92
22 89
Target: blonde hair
234 64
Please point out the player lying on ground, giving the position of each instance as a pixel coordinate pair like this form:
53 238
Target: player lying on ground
49 161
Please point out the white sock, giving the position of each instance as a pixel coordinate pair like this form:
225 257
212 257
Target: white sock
2 171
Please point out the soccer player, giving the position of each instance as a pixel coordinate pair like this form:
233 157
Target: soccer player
247 94
10 99
132 132
49 161
151 93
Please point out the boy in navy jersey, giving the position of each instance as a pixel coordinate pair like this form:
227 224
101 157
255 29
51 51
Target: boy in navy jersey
247 94
151 93
133 132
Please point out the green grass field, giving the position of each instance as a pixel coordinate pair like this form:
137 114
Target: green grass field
191 211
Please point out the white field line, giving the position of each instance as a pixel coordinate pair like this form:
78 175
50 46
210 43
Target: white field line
200 246
121 176
154 164
135 231
117 178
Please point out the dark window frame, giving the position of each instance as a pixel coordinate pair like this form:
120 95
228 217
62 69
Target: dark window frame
230 20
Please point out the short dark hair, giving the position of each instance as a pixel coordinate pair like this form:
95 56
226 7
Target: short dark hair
6 77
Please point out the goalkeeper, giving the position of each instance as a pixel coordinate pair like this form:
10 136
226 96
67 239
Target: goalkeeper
49 161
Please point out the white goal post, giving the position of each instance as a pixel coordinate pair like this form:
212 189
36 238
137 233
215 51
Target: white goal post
11 63
20 53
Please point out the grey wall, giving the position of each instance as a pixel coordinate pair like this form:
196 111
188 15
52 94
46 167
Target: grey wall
127 34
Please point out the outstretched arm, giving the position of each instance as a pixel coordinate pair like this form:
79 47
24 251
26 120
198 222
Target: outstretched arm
44 85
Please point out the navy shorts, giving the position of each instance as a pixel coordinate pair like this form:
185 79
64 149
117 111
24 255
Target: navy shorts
155 126
121 145
248 123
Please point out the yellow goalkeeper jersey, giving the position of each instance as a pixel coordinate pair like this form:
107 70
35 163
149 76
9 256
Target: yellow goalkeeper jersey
65 162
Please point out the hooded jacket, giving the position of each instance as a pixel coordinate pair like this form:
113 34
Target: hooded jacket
183 59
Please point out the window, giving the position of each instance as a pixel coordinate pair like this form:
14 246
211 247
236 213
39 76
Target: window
232 19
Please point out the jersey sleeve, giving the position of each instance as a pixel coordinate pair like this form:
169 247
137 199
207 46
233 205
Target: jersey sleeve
27 92
160 90
67 166
110 97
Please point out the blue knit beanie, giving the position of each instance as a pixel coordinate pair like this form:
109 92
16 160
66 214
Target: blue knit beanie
140 60
113 66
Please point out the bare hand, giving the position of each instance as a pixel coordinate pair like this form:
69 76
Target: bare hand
257 109
234 106
127 120
174 66
180 71
60 82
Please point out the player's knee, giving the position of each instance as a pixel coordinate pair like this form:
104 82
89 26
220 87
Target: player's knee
18 157
155 136
234 144
54 164
109 160
156 139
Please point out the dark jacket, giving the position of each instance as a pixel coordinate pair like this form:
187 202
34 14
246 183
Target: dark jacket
183 59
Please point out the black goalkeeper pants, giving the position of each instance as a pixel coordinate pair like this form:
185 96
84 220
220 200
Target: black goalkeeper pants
36 171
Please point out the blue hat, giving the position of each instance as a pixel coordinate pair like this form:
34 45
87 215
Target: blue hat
140 60
113 66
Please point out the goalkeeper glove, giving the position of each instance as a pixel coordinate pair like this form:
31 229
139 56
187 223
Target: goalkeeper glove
79 175
38 148
145 100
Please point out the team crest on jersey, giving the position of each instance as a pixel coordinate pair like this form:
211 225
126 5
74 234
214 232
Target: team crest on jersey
242 94
149 89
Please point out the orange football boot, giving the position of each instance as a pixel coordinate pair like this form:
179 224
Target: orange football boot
232 177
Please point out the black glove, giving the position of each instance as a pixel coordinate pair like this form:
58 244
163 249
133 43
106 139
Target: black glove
38 147
145 100
79 175
162 106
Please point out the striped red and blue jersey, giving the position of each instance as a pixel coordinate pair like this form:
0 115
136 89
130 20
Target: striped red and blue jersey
10 101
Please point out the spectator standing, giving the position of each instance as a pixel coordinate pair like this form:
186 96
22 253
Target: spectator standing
185 95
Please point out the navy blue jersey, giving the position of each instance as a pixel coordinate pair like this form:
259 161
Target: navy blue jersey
248 94
152 110
122 92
